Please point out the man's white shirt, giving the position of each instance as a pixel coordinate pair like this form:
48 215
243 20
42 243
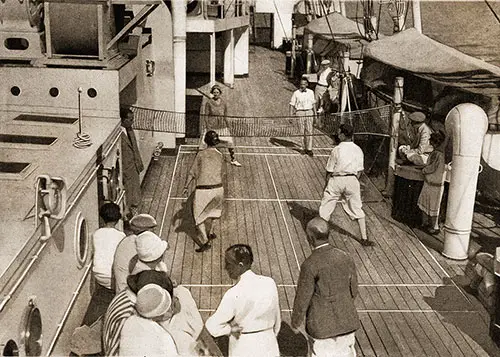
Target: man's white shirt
303 100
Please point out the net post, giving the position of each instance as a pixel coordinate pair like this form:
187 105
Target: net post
394 132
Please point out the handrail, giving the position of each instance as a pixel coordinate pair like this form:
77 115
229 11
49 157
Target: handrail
34 258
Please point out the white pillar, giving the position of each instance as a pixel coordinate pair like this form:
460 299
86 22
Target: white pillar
309 58
342 7
241 49
393 143
213 54
417 19
336 5
179 35
229 58
466 124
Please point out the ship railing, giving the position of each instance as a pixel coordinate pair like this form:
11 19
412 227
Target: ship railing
222 9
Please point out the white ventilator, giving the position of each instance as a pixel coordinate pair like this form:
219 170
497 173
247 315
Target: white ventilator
466 124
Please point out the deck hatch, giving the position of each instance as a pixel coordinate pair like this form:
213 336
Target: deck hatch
27 139
15 170
12 167
45 119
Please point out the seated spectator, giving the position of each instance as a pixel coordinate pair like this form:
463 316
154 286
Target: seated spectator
142 334
126 249
150 253
105 240
186 324
418 152
123 306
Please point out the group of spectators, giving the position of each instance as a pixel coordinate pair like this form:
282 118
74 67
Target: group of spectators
136 308
426 150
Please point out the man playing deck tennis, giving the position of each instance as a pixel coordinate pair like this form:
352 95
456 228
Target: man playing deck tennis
343 169
303 104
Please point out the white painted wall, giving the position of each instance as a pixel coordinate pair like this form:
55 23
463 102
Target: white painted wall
282 9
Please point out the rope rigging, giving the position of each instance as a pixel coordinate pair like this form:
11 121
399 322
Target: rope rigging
492 10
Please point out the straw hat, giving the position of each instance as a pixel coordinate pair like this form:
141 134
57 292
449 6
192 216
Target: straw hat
325 62
143 221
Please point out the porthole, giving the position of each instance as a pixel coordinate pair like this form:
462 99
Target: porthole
54 92
16 44
33 331
15 91
10 349
92 93
82 245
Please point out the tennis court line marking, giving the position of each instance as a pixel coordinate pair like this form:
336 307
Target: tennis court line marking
255 199
257 147
260 154
169 191
294 285
282 212
386 311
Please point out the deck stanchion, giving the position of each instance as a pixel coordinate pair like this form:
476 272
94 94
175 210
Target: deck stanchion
309 63
393 144
292 63
179 48
417 19
466 124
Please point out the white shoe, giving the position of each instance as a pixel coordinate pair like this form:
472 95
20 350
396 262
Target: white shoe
235 163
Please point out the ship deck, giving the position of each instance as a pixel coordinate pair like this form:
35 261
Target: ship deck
410 301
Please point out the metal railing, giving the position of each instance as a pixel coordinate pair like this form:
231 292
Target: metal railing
222 9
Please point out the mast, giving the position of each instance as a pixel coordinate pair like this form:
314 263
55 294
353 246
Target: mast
417 19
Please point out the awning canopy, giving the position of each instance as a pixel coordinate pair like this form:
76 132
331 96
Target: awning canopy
420 55
342 27
345 33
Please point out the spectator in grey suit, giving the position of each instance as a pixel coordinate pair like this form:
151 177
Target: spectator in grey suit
324 301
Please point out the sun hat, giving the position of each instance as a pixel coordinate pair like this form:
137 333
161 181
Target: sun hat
153 301
149 246
325 62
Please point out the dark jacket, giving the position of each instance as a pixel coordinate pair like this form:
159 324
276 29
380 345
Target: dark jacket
131 168
325 294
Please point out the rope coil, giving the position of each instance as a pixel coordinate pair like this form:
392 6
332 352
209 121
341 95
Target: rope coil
82 141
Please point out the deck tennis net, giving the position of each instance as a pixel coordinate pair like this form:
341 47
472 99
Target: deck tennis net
368 121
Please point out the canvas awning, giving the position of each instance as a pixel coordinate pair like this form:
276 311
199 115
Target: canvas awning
424 57
345 33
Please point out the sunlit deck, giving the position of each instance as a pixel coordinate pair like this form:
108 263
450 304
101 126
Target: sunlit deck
409 302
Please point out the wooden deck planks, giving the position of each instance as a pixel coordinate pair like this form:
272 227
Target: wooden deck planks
392 323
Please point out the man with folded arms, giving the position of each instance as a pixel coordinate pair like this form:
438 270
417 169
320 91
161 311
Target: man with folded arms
249 311
324 301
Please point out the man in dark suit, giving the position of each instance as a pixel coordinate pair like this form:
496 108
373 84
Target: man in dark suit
325 296
132 164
